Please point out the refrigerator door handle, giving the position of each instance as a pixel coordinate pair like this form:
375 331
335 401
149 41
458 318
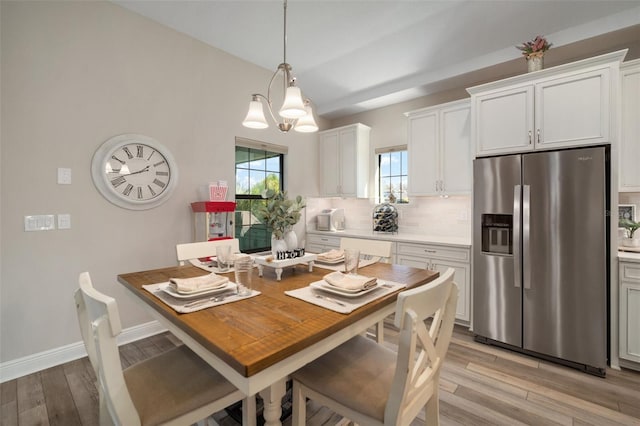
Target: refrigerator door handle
517 237
526 232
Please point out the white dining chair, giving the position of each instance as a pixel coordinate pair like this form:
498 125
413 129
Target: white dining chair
188 251
174 388
378 250
369 383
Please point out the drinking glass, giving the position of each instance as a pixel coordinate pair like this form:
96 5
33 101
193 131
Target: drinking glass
223 257
243 266
351 260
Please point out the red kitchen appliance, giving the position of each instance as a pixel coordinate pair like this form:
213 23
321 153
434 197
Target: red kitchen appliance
213 220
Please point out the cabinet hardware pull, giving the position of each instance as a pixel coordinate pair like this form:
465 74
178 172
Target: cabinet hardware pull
538 135
529 137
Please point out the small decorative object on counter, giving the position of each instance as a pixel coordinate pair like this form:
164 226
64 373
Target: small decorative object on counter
533 52
385 218
630 229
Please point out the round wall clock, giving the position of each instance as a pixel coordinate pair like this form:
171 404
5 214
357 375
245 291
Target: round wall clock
134 171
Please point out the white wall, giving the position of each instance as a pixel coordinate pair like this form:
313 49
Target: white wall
73 75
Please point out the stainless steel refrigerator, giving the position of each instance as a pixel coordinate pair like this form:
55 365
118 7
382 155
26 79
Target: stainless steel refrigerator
540 247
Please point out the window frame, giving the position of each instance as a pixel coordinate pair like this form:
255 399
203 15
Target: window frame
268 151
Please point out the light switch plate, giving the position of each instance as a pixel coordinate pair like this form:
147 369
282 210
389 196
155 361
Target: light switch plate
64 176
42 222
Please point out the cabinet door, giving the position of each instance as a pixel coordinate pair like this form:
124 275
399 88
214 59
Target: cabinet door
329 154
455 150
630 321
503 121
348 161
573 110
461 278
423 153
630 136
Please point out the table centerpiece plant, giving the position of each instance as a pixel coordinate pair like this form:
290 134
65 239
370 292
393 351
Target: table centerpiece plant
631 227
280 213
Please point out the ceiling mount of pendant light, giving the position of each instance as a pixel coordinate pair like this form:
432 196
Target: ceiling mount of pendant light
295 113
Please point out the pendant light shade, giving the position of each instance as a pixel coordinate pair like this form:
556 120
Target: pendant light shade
255 117
306 123
296 110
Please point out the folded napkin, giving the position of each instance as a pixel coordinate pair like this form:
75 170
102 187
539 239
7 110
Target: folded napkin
350 281
333 254
205 282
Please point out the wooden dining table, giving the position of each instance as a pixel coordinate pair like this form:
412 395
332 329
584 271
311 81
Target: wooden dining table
257 342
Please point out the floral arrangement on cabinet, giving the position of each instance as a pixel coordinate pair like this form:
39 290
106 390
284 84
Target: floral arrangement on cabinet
533 52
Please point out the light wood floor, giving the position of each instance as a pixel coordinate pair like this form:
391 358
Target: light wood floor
480 385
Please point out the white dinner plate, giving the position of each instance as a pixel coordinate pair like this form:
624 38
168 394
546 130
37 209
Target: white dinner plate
325 286
167 289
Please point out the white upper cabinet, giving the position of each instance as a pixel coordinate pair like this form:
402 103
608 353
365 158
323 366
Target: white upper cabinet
568 105
439 153
344 161
630 136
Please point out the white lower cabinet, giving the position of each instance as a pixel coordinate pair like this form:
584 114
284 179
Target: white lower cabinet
439 258
321 243
629 276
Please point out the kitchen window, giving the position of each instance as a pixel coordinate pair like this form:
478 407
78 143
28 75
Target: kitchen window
257 168
392 174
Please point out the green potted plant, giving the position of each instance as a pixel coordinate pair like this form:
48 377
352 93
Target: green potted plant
631 227
280 213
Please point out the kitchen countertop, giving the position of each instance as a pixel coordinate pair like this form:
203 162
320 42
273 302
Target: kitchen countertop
397 237
628 256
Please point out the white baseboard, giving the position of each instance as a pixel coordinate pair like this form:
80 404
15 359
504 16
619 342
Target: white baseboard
33 363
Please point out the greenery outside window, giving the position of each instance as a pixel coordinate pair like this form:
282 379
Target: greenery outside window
392 174
256 170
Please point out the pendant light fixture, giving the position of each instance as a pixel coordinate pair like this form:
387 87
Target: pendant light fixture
296 112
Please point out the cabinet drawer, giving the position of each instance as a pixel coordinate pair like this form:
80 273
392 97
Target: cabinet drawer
432 251
630 271
323 240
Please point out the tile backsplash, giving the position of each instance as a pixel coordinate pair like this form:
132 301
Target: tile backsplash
434 216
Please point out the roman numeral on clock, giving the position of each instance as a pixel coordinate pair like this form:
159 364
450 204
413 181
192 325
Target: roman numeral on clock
126 150
140 150
162 173
153 193
139 193
127 189
160 183
118 181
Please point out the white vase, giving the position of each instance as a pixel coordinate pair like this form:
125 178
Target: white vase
535 63
277 245
291 239
631 242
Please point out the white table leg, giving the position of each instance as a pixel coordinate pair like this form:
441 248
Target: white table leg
278 273
272 399
249 411
311 266
259 270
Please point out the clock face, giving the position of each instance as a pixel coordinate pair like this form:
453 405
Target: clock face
134 172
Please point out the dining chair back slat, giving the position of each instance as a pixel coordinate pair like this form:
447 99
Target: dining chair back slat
203 249
380 250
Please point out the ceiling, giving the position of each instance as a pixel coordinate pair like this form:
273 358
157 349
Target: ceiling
351 56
